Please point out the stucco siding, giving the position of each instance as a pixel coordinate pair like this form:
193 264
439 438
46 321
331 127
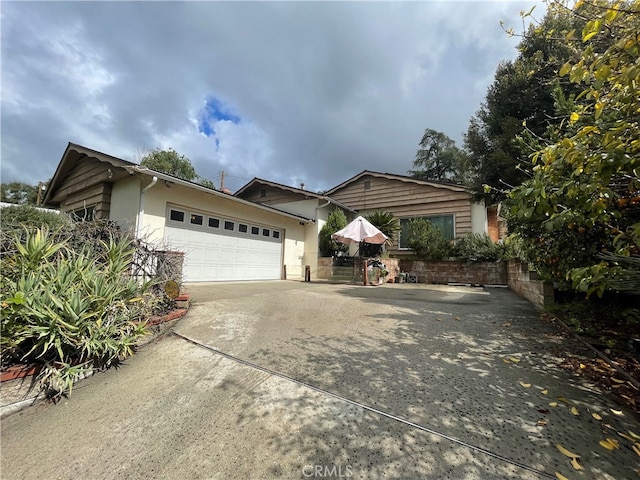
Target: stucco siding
125 202
304 208
478 218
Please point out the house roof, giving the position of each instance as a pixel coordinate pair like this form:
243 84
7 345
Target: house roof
402 178
75 153
300 191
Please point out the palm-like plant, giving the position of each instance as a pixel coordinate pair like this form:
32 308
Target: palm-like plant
386 223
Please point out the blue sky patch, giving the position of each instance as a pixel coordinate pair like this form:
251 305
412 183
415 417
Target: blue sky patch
214 111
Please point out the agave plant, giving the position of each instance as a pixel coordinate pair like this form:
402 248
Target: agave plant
386 223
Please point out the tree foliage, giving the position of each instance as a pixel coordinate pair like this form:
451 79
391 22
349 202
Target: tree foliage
426 240
521 102
336 221
19 193
439 159
580 211
172 163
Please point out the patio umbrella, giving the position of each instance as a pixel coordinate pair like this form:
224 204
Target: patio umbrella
359 230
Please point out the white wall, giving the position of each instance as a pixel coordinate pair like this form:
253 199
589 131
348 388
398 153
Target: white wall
479 218
158 196
125 203
304 208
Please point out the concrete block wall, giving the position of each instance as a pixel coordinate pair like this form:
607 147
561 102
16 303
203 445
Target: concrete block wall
453 271
325 266
538 292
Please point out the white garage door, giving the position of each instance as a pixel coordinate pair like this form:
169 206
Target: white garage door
219 248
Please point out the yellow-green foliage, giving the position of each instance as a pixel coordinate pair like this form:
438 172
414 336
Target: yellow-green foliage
70 311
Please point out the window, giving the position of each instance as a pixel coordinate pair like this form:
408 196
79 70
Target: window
176 215
367 184
229 225
444 223
83 214
263 193
214 222
255 231
242 228
266 232
276 234
196 219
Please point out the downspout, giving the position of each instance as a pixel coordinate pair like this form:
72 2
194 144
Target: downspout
319 207
140 222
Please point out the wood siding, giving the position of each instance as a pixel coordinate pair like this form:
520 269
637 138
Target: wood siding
273 195
85 186
407 200
87 173
98 196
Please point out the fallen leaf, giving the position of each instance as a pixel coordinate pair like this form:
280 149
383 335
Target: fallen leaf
616 412
544 392
609 444
525 385
637 437
559 476
574 411
564 400
575 464
458 318
583 366
439 319
626 436
566 452
617 380
636 448
596 416
507 324
542 423
506 360
553 404
543 410
616 386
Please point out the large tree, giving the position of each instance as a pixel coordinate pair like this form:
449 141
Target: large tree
520 105
438 158
19 193
579 214
171 162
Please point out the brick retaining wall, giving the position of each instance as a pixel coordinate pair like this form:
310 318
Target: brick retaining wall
455 271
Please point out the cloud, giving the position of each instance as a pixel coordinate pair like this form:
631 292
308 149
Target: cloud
289 91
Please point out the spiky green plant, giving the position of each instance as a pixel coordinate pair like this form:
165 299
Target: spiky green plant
70 312
386 223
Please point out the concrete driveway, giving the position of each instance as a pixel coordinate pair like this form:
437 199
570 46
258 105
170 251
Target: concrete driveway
312 380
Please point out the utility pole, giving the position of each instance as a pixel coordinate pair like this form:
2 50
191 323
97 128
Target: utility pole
222 180
41 188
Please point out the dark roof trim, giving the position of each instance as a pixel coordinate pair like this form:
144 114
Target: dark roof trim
135 168
402 178
300 191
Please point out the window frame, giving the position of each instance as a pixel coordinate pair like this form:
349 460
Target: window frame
427 217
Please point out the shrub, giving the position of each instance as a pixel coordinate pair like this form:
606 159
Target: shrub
478 247
19 216
426 240
336 221
69 311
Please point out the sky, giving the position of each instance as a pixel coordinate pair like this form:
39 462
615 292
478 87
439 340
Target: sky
293 92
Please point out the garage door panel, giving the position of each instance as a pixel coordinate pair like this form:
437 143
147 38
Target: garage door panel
215 254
